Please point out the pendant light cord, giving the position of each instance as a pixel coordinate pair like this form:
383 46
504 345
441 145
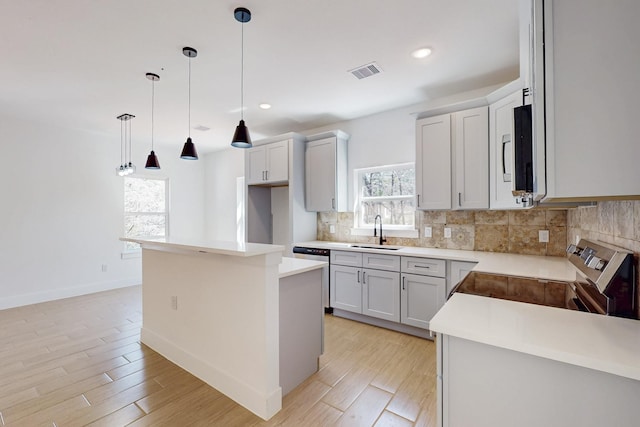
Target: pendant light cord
189 130
129 128
122 142
153 92
242 73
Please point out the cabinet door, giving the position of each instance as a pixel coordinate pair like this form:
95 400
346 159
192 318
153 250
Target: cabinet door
590 112
256 165
346 289
471 141
320 175
277 155
381 294
421 298
501 152
433 162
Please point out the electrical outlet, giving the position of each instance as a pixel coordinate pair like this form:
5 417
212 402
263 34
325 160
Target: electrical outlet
543 236
447 233
174 302
428 232
104 268
332 229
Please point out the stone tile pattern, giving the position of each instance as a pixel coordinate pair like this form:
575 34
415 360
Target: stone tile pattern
490 231
615 222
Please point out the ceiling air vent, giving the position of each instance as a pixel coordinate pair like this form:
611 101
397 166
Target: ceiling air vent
366 70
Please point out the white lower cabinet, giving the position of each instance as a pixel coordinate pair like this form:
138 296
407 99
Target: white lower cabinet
421 298
391 291
365 291
346 289
380 296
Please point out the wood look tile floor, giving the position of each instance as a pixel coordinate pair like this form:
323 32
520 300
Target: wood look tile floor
78 362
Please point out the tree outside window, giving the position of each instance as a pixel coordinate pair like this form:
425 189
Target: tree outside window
146 212
387 191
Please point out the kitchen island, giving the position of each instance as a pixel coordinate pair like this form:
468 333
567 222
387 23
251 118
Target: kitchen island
234 315
506 363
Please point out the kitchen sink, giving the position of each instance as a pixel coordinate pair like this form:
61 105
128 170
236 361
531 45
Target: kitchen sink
384 248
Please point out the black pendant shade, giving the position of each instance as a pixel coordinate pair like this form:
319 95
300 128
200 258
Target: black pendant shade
189 151
241 138
152 161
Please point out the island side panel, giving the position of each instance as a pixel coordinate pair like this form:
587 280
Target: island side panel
224 329
301 327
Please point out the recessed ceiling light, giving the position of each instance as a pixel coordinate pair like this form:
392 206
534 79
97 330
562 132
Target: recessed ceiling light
421 53
264 106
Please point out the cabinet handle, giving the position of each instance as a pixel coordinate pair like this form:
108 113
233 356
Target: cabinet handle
263 176
418 204
333 203
460 200
363 281
505 140
403 279
358 276
266 175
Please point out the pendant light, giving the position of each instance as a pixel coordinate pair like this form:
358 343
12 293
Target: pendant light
241 138
189 150
152 160
126 168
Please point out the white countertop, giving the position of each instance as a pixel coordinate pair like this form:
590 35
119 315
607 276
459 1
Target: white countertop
207 246
539 267
604 343
292 266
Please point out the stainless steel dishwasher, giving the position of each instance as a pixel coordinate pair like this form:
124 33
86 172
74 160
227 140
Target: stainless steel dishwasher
318 254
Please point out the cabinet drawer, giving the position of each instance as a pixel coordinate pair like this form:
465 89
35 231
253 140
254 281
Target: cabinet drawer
381 261
424 266
348 258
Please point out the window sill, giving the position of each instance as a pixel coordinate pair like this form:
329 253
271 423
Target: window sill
412 234
131 255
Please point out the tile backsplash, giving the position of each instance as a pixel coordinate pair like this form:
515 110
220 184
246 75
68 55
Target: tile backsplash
617 223
491 231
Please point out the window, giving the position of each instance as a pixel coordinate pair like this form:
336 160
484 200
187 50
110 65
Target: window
387 191
146 212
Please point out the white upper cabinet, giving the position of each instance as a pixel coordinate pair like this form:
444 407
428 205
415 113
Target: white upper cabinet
471 166
268 164
433 162
326 173
452 165
501 152
590 72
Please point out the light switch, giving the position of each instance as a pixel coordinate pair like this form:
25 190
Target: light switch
543 236
447 233
332 228
427 232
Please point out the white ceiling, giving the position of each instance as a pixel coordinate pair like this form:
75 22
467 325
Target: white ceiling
81 63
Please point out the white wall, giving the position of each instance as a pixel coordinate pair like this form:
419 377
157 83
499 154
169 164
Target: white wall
389 137
61 213
222 170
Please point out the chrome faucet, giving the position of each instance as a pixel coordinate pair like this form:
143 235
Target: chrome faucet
375 221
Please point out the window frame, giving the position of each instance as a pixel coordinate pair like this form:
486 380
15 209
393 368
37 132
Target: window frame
134 253
393 230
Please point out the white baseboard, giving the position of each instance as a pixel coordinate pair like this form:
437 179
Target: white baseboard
55 294
261 404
